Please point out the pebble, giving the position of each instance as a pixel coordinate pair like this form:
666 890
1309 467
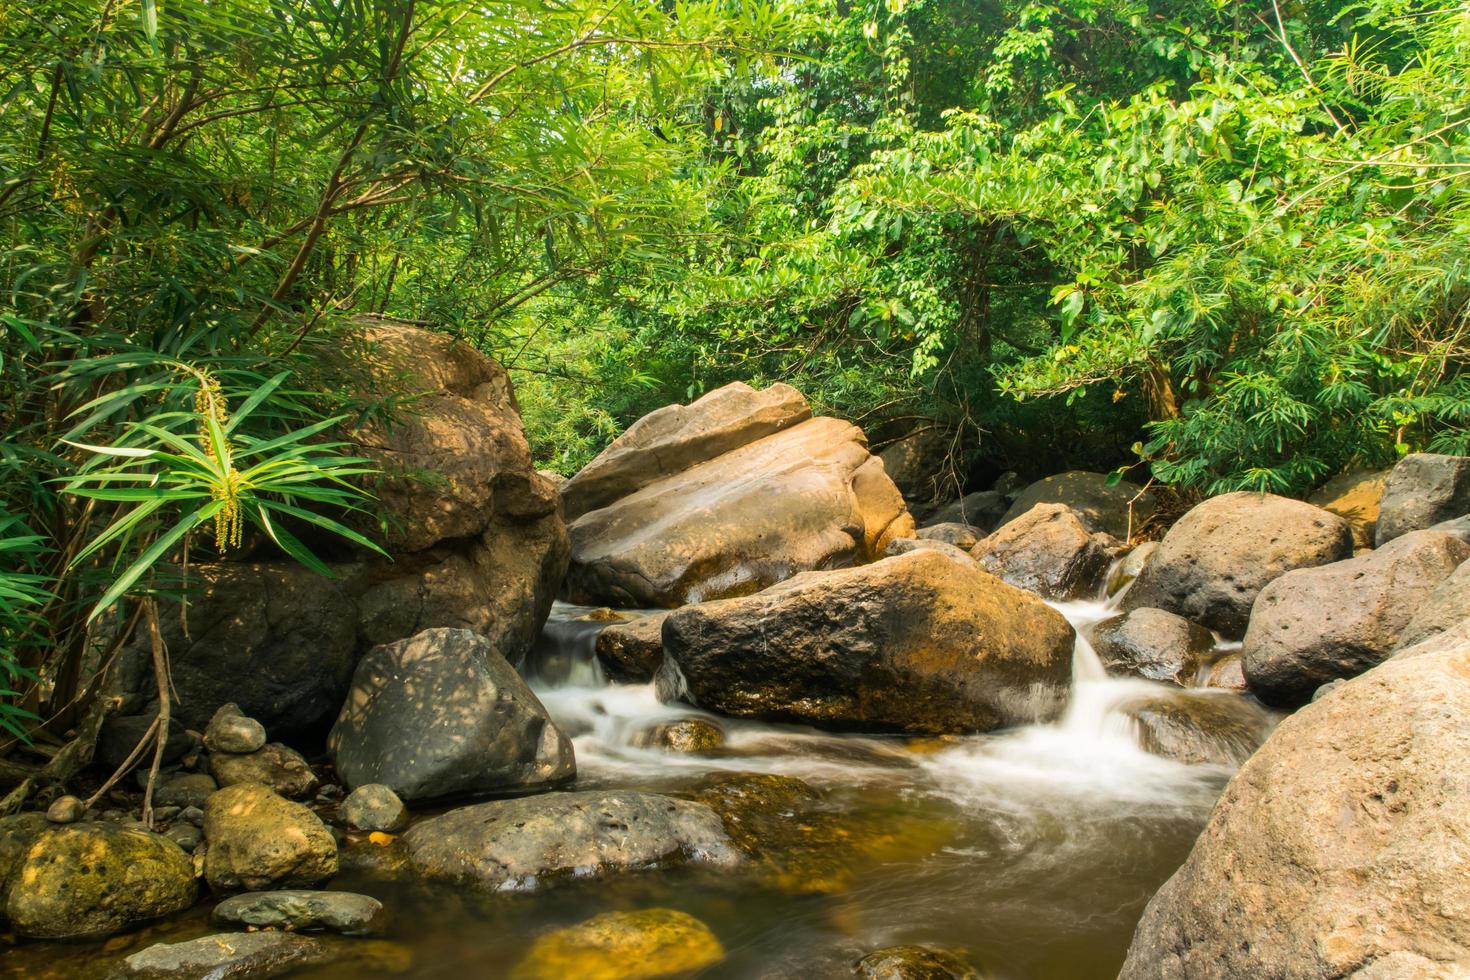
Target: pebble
374 807
231 731
65 809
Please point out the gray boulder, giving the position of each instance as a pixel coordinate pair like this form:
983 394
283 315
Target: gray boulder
1101 505
1338 849
1048 550
1422 490
916 461
982 509
914 643
1313 625
343 912
374 807
960 535
1199 727
442 714
1444 608
1220 555
1153 644
517 845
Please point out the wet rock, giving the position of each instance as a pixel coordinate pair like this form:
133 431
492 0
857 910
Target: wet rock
1101 506
1354 496
962 536
1151 643
1200 727
688 735
640 945
632 652
185 790
1220 555
258 840
16 834
809 496
281 768
913 963
983 510
1446 607
1048 550
374 807
1338 848
1228 674
231 731
89 880
752 804
442 714
914 643
1422 490
65 809
517 845
1123 574
257 955
1315 624
345 912
678 437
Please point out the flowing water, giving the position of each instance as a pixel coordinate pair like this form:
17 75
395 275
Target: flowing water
1032 850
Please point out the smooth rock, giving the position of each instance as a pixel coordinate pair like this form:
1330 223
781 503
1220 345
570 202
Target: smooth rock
231 731
1315 624
1101 506
806 497
632 652
121 734
1422 490
641 945
962 536
185 790
345 912
186 835
678 437
65 809
1339 849
258 840
281 768
913 963
1127 569
1199 727
902 546
1443 609
442 714
1153 644
686 735
1228 674
1355 497
914 643
89 880
1048 550
258 955
518 845
983 510
374 807
1213 563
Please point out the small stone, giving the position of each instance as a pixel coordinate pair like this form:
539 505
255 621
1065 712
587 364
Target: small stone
374 807
186 835
687 735
231 731
345 912
193 814
65 809
185 790
281 768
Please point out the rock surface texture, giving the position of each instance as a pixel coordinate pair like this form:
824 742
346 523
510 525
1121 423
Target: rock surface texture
258 840
915 643
1423 489
1339 849
1101 506
1153 644
1048 550
1220 555
1355 497
640 945
442 714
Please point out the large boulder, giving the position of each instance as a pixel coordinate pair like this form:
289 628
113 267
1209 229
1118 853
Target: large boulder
983 509
259 840
1339 849
632 652
1220 555
1313 625
1355 497
1423 490
1444 608
1102 506
677 437
1048 550
809 496
916 460
1153 644
516 845
1199 727
915 643
639 945
443 714
89 880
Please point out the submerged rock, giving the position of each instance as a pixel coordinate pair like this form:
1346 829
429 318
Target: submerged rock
90 880
632 652
809 496
344 912
258 840
1048 550
1355 497
913 963
1339 848
374 807
252 955
1422 490
1101 505
281 768
640 945
1218 557
1199 727
690 735
1153 644
442 714
913 643
517 845
1315 624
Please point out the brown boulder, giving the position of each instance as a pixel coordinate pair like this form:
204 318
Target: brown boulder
1445 608
914 643
1153 644
1048 550
632 652
963 536
1101 505
1199 727
1218 557
1354 496
1339 849
257 840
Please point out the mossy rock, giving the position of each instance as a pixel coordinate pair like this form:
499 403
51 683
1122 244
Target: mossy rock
638 945
913 963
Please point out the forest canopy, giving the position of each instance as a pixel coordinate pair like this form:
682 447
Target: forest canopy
1218 245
